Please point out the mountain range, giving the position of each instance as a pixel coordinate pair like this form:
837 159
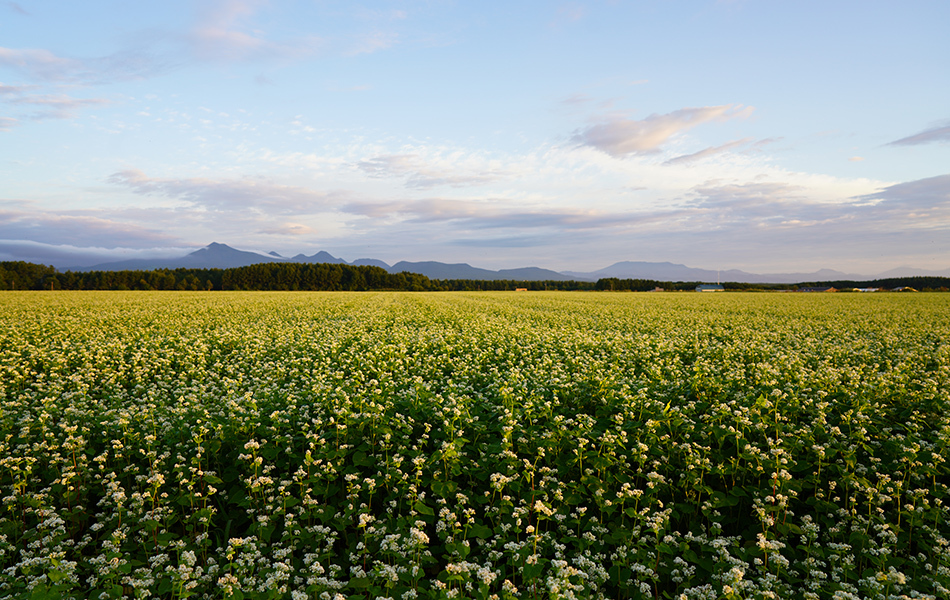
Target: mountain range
222 256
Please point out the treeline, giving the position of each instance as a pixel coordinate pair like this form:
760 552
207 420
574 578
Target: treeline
264 277
919 283
19 275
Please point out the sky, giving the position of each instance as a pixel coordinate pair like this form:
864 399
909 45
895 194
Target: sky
763 135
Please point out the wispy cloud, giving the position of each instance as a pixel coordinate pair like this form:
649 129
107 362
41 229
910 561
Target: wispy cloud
15 7
7 123
292 229
40 64
225 33
620 136
569 12
938 134
707 152
47 106
15 90
259 195
371 42
491 214
45 66
420 175
57 106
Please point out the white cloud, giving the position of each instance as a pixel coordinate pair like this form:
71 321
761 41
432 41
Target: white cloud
620 136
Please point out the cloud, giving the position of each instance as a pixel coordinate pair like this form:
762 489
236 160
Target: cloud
40 64
219 35
80 229
16 8
288 229
706 153
421 176
931 194
49 106
939 134
66 256
619 136
489 214
257 195
15 90
57 106
369 43
8 123
900 209
569 12
43 65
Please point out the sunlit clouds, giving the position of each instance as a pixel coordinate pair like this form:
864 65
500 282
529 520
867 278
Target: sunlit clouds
619 136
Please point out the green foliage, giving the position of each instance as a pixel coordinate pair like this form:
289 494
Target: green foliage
392 445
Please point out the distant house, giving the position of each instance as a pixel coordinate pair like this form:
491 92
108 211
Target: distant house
904 289
709 287
867 289
521 289
817 289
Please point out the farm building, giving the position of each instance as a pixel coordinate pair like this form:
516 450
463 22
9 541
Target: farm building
817 289
709 287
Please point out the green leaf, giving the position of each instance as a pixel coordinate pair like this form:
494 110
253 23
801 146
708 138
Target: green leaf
422 509
480 531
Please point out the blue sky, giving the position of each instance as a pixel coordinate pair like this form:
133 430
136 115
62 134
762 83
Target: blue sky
762 135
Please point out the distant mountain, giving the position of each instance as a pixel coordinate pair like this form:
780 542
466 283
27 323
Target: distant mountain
319 257
532 274
438 270
212 256
667 271
369 262
911 272
222 256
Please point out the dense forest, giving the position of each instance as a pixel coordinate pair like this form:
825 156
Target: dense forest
19 275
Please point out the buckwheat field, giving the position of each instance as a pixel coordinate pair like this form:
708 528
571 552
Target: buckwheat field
474 445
